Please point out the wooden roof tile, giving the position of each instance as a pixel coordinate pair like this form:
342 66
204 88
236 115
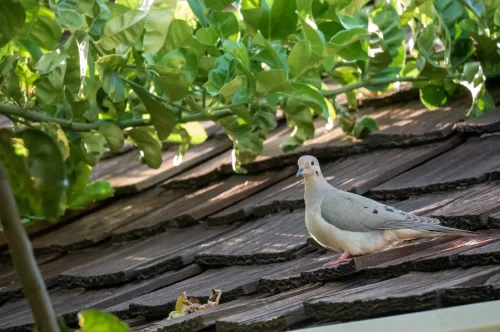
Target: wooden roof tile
474 161
96 227
411 292
358 174
234 282
271 239
128 175
200 204
165 252
67 303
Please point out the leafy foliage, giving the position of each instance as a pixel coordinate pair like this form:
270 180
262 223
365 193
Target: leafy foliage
80 77
99 321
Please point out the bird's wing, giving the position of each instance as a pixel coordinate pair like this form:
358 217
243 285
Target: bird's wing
356 213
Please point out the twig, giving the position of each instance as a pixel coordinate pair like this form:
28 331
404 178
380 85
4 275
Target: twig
24 261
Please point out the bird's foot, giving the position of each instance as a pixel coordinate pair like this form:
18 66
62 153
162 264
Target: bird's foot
344 258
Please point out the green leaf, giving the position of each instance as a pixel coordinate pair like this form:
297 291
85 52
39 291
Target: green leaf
112 84
177 70
298 59
217 4
272 81
283 19
40 27
93 143
149 146
273 54
12 16
476 6
230 88
257 21
474 80
497 16
314 35
67 16
364 127
123 29
299 116
179 32
114 136
198 9
93 192
35 165
237 49
163 118
196 132
308 96
194 106
224 23
98 321
157 24
433 96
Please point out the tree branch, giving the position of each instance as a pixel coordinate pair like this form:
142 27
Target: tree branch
221 112
24 260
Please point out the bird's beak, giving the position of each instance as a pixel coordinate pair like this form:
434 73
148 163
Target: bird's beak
299 171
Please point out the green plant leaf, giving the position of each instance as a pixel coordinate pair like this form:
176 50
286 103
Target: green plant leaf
112 84
272 54
98 321
67 16
36 172
179 32
238 50
217 4
93 192
196 132
40 27
497 16
157 24
314 35
163 118
123 29
12 16
114 136
433 96
474 80
283 19
308 96
257 21
298 59
198 9
272 81
224 23
299 116
149 146
364 127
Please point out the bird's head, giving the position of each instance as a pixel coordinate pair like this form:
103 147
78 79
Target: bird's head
308 166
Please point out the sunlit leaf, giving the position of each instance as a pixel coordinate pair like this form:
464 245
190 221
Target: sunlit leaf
149 146
12 16
98 321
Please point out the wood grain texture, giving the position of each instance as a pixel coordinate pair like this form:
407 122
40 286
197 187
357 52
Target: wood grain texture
96 227
235 281
415 291
168 251
475 161
358 174
489 122
280 312
128 175
200 204
271 239
67 303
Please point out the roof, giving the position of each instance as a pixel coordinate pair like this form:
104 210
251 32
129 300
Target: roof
198 226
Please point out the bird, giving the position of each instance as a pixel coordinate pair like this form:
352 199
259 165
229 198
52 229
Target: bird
356 225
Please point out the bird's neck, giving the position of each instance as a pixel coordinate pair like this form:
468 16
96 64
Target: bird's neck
315 186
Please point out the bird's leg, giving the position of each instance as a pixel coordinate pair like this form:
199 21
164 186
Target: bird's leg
344 258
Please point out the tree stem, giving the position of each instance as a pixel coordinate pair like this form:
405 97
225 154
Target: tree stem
79 126
24 260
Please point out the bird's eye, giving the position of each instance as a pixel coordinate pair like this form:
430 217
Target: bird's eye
312 163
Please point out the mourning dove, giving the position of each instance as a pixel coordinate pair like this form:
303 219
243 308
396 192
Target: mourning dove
356 225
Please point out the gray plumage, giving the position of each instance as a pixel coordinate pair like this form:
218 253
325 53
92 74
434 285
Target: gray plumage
357 225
